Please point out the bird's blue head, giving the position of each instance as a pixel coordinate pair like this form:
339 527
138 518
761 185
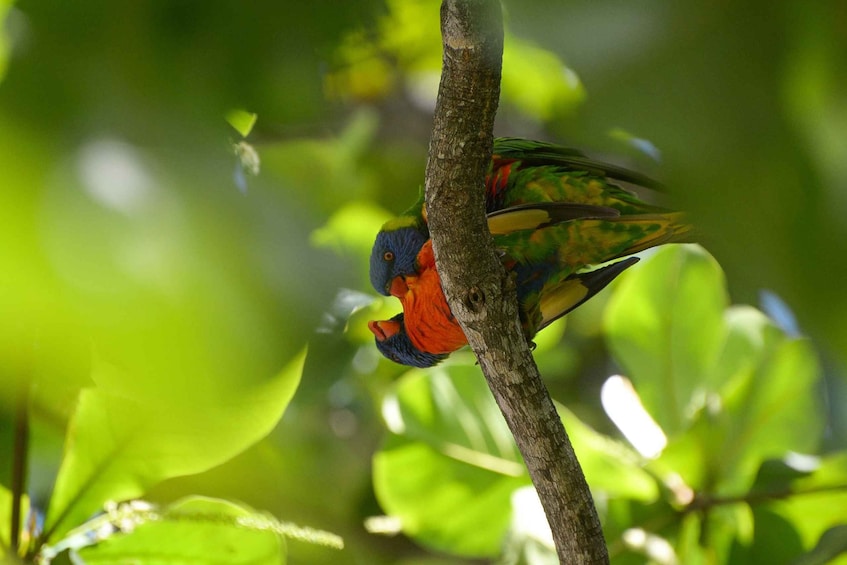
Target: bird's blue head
394 343
394 253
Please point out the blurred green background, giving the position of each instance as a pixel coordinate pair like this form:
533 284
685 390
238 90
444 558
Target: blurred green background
132 235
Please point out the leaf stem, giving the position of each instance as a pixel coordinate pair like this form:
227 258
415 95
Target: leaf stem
19 461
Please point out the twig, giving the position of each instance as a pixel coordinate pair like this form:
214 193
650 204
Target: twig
19 461
479 293
705 502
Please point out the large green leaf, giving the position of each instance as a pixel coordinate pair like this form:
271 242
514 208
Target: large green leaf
117 448
766 407
449 469
450 466
771 406
609 466
664 324
194 530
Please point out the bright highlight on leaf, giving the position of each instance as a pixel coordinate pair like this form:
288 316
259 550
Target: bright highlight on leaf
528 517
621 402
656 548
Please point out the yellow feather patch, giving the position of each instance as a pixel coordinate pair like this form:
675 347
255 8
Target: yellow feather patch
561 298
517 220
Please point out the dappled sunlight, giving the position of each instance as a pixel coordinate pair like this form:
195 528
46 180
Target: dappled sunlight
623 406
114 174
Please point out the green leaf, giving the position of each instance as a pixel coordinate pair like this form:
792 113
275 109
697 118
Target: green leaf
774 540
537 82
664 324
117 448
609 465
242 120
832 543
350 229
197 530
765 407
450 466
818 500
771 408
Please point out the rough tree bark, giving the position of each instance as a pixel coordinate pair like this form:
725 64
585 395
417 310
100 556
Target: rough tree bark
477 288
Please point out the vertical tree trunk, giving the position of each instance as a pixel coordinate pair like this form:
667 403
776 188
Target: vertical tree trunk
477 288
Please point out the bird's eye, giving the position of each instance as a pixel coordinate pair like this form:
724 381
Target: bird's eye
388 256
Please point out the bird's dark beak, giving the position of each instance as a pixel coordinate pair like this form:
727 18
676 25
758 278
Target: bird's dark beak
383 329
398 287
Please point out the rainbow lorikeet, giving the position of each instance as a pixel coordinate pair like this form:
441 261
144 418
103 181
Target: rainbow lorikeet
546 261
391 337
521 172
394 342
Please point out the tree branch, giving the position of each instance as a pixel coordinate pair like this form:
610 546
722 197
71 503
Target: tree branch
479 293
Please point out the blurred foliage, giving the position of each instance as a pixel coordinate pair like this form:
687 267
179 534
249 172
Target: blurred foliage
403 53
156 299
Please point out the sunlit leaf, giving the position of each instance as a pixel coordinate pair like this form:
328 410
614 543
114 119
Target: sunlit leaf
831 544
537 82
664 324
773 411
412 32
451 462
242 120
609 466
351 229
117 448
326 173
450 466
194 530
818 501
534 80
689 548
774 540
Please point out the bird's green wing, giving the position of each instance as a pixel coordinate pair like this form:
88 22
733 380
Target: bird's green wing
539 154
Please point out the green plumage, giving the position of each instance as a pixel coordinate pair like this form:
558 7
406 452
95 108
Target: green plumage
542 259
521 172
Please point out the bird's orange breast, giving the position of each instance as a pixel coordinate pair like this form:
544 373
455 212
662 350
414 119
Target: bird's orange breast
429 322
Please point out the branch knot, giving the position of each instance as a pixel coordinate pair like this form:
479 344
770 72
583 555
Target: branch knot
475 299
